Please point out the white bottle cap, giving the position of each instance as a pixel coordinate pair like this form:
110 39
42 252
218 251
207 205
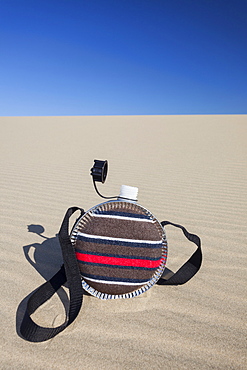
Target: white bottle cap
128 192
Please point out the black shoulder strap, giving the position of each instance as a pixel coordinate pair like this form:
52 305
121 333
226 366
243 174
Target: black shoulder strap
191 267
69 272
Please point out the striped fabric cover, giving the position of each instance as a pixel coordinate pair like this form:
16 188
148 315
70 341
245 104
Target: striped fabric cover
121 249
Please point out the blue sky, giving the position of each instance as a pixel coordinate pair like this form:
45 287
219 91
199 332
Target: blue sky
123 57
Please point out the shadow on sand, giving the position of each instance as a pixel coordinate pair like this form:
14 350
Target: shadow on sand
46 258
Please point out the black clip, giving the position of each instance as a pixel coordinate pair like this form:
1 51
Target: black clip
99 171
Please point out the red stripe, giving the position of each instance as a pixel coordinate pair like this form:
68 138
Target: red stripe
117 261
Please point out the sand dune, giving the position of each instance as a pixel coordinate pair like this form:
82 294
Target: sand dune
190 170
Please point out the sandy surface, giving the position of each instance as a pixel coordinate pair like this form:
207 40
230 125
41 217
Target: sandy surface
189 169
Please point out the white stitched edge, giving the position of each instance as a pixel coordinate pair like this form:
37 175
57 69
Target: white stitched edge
114 282
123 218
119 239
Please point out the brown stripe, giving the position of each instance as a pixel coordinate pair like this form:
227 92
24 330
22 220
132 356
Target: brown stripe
119 250
117 228
120 273
112 288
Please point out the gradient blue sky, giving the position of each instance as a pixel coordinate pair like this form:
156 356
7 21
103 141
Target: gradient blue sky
123 57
